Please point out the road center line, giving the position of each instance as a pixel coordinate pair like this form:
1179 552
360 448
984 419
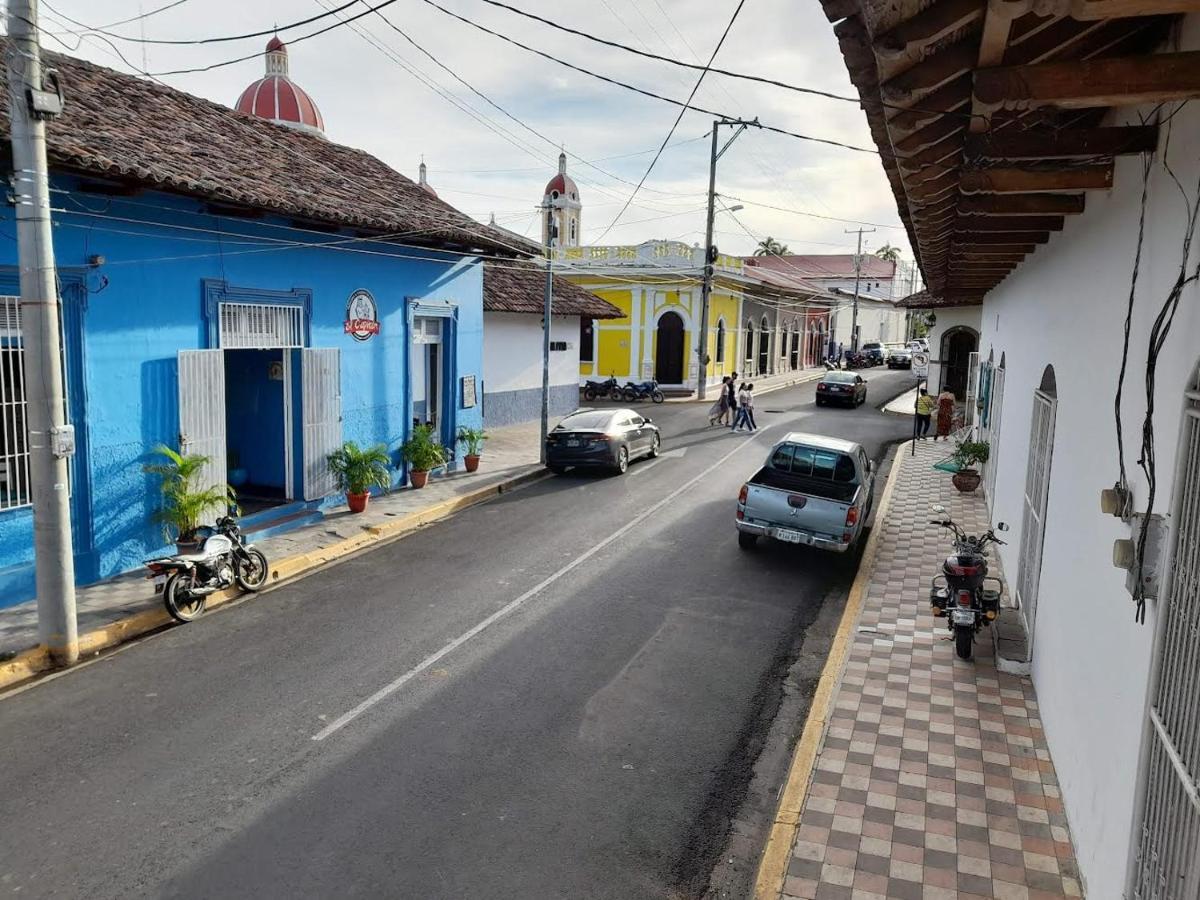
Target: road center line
390 688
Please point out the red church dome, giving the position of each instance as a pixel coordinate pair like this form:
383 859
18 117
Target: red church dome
562 184
277 98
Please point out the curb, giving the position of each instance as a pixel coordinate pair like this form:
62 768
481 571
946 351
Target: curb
30 663
772 868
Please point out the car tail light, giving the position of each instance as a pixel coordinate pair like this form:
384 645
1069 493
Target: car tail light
743 493
852 516
964 598
822 386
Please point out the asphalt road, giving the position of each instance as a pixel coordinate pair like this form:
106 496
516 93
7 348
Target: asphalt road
550 695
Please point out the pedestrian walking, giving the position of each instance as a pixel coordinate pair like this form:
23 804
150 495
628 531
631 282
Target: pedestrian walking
750 407
925 408
739 416
945 414
718 411
730 398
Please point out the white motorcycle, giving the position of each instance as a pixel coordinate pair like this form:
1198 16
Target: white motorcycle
185 580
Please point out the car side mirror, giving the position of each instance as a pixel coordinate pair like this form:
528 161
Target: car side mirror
1003 526
647 421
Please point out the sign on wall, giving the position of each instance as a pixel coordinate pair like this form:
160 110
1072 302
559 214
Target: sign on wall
362 316
468 391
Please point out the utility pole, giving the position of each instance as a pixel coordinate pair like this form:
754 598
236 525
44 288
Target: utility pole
710 252
857 277
547 307
51 440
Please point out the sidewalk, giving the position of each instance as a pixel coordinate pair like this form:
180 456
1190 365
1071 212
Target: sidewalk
509 455
932 779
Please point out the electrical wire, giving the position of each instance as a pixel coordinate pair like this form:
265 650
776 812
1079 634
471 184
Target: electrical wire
140 17
679 118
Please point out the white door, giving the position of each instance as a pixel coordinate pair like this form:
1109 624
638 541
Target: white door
971 414
1033 516
202 411
321 406
995 411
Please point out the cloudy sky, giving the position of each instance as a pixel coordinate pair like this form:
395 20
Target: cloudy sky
377 91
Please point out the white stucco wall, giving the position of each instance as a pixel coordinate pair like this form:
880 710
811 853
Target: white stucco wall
1065 306
512 358
876 321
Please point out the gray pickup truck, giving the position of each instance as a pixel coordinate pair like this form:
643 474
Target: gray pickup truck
813 490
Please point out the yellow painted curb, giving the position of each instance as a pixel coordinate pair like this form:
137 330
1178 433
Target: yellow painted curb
31 662
772 867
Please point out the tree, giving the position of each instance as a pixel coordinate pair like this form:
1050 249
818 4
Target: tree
888 252
768 246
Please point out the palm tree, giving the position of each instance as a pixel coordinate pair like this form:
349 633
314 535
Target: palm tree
888 252
768 246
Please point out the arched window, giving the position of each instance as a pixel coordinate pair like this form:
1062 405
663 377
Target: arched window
720 340
749 350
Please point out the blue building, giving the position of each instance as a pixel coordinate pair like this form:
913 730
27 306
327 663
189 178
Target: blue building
237 288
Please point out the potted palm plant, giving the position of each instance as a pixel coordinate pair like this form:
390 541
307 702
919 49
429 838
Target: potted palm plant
422 453
968 455
186 500
356 470
473 438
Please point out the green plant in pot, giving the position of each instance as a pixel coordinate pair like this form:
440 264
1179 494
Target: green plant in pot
422 453
968 455
473 438
356 470
187 501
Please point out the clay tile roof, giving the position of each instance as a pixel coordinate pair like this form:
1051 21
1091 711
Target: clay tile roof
520 288
129 129
826 265
928 300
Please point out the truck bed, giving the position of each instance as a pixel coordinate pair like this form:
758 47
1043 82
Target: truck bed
802 484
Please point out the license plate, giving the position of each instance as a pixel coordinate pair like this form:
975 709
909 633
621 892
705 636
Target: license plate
572 443
963 616
159 581
792 537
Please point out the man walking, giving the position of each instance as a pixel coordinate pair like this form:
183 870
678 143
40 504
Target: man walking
925 407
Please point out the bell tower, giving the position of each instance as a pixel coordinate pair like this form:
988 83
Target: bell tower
561 204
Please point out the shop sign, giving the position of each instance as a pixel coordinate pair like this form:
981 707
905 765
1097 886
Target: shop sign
362 316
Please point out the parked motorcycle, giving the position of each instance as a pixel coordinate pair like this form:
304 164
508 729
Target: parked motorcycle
608 388
647 390
856 360
185 580
964 594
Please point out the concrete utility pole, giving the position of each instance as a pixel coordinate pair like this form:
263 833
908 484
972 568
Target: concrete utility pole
51 440
547 308
857 278
710 254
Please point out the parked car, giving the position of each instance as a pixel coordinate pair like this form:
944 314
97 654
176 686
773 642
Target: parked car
874 353
595 438
919 345
813 490
846 388
900 358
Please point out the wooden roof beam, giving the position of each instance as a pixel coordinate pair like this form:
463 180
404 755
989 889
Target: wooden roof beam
1079 84
1080 142
1001 239
929 74
1032 181
932 24
1022 204
952 96
1009 223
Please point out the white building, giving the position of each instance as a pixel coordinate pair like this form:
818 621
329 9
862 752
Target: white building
1033 254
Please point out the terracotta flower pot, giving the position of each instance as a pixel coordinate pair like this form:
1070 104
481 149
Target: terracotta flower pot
358 502
186 548
472 461
966 480
418 479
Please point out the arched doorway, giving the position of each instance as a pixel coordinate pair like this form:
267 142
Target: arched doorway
748 356
720 348
794 349
668 357
764 348
957 346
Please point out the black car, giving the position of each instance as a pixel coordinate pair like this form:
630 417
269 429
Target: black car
602 438
841 387
900 358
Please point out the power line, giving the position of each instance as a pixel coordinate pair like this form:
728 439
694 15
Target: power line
138 17
679 118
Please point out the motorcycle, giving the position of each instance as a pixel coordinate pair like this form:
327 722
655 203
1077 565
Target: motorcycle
647 390
964 594
185 580
856 360
607 388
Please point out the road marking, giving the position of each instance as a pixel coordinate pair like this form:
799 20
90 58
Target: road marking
647 466
512 606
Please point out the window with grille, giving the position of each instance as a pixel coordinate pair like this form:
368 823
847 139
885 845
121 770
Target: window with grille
261 326
14 443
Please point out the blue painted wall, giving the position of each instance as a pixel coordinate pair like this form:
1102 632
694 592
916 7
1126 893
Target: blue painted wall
145 303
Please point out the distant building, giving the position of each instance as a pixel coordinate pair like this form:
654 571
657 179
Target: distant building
276 98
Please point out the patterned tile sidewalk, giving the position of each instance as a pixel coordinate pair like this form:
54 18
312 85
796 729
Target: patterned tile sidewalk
933 779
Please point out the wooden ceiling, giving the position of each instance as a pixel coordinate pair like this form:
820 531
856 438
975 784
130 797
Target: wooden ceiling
989 115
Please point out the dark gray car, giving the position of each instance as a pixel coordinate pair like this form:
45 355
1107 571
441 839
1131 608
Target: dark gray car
601 438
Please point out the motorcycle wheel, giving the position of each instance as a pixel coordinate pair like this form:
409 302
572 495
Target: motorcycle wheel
178 600
658 396
251 574
589 394
631 396
964 640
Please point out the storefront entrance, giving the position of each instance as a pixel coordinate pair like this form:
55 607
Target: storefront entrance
428 381
668 356
258 425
